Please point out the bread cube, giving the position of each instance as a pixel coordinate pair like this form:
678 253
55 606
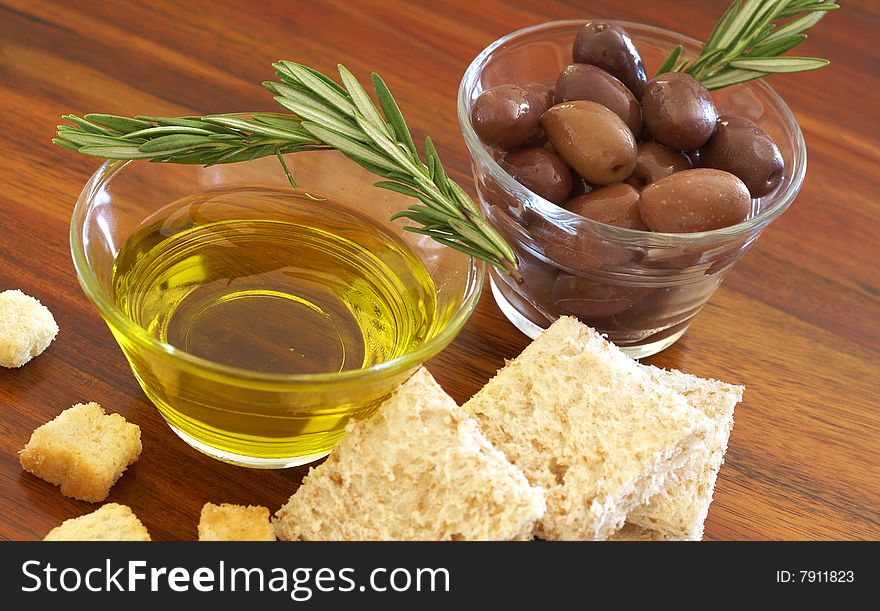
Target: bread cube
83 450
112 522
27 327
227 522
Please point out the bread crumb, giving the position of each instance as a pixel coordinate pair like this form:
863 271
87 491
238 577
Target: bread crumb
83 450
27 327
227 522
112 522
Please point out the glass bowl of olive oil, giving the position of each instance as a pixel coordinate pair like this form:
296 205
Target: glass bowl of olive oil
257 317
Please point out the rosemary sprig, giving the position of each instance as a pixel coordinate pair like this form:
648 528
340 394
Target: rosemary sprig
749 39
207 140
327 116
345 118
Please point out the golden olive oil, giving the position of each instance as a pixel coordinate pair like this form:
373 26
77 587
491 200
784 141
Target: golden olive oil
274 282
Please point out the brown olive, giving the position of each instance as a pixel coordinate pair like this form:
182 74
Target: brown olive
616 205
740 147
590 299
500 199
655 161
594 141
540 171
580 187
608 46
544 94
586 82
508 116
679 111
695 200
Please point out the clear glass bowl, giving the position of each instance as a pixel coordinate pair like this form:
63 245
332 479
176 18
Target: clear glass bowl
642 289
253 418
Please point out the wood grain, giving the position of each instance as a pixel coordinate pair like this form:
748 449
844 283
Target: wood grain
796 321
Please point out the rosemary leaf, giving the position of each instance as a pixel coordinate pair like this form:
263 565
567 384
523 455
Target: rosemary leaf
119 124
669 63
397 188
393 115
439 176
780 64
777 46
320 87
318 115
362 101
731 77
349 147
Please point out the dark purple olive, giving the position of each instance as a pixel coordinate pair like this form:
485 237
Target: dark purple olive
540 171
616 205
509 116
695 200
608 46
653 162
742 148
679 111
586 82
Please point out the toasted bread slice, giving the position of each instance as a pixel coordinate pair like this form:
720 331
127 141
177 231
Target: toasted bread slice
587 423
417 470
679 510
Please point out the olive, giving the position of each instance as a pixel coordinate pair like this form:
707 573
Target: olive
586 82
679 111
695 200
653 162
508 116
540 171
591 139
742 148
580 187
544 93
590 299
616 205
608 46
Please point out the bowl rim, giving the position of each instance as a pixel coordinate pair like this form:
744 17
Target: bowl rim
780 201
111 312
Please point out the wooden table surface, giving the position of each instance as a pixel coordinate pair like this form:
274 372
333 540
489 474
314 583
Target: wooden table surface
797 320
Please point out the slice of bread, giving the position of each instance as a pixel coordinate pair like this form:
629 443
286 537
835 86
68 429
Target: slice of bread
83 450
630 532
418 470
228 522
679 510
112 522
27 327
586 422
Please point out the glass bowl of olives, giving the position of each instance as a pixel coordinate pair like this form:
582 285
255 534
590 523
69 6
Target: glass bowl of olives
626 195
